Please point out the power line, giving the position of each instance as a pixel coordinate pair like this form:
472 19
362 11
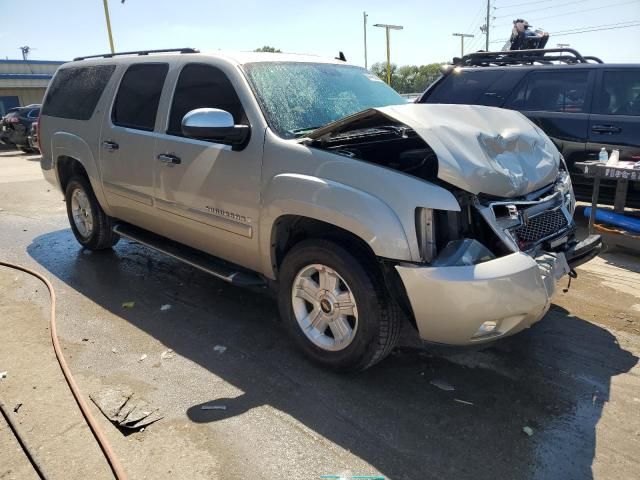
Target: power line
520 4
572 12
596 30
576 12
592 28
543 8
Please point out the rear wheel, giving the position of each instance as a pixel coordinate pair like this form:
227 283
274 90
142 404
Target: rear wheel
92 227
336 306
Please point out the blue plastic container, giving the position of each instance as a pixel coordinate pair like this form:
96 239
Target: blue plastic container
631 224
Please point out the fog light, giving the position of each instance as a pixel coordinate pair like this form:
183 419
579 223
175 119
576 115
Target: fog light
486 328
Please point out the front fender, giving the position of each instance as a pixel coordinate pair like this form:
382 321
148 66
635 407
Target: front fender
356 211
65 144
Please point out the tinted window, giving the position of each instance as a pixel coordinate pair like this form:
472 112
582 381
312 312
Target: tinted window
138 97
74 92
552 92
465 87
620 94
203 86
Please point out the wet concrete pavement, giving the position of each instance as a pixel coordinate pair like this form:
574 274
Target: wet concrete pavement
573 378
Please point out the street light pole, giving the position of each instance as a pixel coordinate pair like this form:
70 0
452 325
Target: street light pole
387 28
364 17
106 16
487 25
462 35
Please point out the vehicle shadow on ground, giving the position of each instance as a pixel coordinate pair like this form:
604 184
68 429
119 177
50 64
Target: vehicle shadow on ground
554 378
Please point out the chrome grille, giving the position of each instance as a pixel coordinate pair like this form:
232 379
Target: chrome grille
541 226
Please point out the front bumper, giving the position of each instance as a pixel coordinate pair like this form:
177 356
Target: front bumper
451 304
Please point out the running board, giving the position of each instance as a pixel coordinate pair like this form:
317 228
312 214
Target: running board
219 268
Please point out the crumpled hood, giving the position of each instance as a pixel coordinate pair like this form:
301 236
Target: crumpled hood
480 149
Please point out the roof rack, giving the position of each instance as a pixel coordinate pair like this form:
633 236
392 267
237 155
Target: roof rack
544 56
140 52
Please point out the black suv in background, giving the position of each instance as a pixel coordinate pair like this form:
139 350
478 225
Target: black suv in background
580 102
16 127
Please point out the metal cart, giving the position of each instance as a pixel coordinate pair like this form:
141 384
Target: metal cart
623 174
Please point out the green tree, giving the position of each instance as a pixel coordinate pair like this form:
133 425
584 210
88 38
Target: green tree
269 49
408 78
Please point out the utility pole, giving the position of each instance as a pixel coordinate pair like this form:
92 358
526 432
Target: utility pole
462 35
364 18
487 25
106 15
387 28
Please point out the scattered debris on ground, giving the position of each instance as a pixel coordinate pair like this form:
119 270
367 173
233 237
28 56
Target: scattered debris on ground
442 385
462 401
142 357
219 348
527 430
3 374
165 307
16 408
128 304
122 407
166 354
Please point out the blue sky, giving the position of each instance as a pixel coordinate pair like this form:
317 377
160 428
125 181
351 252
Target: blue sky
62 29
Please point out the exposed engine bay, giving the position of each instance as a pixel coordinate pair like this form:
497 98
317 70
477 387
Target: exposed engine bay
487 226
384 142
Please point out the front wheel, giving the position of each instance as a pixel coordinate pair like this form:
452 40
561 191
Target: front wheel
91 226
336 306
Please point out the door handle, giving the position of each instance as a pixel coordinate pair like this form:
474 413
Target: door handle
109 145
606 129
168 158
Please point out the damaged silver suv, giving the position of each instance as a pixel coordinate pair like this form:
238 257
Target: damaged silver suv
315 177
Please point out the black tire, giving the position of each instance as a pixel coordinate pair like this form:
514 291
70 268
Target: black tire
101 235
379 316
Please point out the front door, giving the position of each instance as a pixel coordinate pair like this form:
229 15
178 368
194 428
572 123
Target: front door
127 143
208 193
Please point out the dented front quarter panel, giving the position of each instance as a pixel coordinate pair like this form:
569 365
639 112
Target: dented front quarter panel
375 203
480 149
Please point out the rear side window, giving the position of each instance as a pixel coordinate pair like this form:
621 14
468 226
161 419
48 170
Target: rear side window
620 94
74 92
138 97
203 86
465 87
553 92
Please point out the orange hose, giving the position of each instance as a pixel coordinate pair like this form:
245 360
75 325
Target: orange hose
117 469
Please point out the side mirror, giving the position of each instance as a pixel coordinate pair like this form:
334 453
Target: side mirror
215 125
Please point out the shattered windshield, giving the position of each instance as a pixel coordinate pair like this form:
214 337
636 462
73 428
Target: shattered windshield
299 97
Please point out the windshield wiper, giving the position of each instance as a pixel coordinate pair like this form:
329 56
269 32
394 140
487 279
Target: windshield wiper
301 131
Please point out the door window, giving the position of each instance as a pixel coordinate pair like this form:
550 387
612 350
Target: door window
137 101
553 92
620 94
203 86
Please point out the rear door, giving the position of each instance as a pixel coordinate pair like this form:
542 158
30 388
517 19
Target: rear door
128 140
615 122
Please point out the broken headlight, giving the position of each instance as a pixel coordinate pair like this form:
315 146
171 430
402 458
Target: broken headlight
564 186
425 229
445 238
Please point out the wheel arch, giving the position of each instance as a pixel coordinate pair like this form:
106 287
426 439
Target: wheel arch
72 155
323 207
